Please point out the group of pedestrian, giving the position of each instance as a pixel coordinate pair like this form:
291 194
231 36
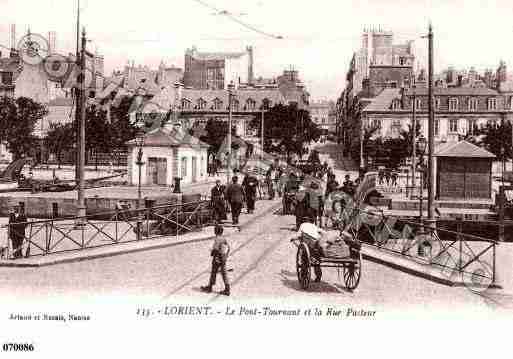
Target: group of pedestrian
388 176
233 197
310 203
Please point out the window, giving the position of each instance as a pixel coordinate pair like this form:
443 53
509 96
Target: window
266 104
437 127
235 104
511 102
492 104
402 61
186 104
6 78
453 104
418 103
396 127
218 104
376 123
201 104
453 125
396 104
251 104
472 104
437 103
471 126
184 167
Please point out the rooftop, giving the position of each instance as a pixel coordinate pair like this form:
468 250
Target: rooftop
462 149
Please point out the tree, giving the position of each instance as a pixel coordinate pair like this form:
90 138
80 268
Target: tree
59 139
496 138
286 127
215 133
99 130
17 122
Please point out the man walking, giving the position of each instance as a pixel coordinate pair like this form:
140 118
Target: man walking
220 251
17 225
249 184
235 196
217 201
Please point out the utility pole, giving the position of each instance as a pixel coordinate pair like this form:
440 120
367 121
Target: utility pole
81 209
431 136
229 140
76 93
414 140
262 139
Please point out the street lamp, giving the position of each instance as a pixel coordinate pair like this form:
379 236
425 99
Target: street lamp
139 141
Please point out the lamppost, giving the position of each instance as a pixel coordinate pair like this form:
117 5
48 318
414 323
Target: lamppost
139 141
231 86
414 137
421 147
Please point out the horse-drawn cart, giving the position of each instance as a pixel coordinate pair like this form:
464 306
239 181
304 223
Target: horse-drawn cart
342 253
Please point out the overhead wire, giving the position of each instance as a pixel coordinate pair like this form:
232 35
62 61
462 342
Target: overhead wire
235 19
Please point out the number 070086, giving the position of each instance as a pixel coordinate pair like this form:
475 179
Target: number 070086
17 347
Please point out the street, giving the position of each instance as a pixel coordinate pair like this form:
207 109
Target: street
263 263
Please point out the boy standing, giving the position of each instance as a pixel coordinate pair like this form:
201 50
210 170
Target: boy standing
219 253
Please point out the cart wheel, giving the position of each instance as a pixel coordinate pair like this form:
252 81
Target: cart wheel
352 273
303 268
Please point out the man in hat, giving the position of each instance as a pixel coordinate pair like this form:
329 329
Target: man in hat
250 184
220 251
235 196
217 201
17 225
315 202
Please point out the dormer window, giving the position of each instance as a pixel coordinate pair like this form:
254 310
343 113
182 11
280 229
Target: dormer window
218 104
186 104
492 104
453 104
235 105
251 104
472 104
202 104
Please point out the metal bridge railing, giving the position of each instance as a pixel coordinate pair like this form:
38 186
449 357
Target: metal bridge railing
453 252
44 237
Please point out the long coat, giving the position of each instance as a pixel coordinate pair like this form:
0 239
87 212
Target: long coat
218 201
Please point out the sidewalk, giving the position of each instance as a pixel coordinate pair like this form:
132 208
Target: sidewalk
262 208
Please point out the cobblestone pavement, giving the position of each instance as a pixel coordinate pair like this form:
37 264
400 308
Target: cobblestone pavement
263 267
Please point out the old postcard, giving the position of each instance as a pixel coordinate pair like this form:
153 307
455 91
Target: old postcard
255 178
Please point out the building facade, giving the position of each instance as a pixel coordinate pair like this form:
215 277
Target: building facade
322 114
459 111
215 70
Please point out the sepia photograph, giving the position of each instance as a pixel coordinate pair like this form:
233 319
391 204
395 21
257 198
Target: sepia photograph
253 178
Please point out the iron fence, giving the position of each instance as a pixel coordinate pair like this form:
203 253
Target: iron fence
453 252
44 237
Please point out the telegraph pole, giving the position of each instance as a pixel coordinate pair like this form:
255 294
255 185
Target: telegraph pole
229 140
431 135
81 209
414 140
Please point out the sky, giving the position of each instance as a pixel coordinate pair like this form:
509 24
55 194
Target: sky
319 37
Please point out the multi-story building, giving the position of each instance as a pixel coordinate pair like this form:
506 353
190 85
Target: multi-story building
378 51
458 111
322 114
215 70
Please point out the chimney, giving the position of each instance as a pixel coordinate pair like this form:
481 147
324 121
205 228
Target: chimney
13 41
249 49
52 42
